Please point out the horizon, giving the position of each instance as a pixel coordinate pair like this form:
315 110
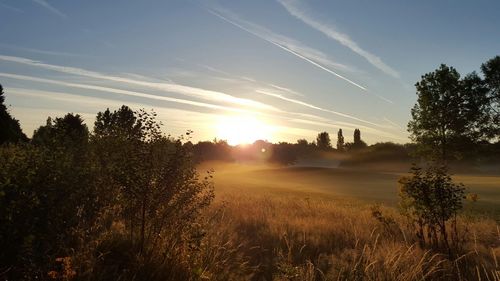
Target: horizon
282 70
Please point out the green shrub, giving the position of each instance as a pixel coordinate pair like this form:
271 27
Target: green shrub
430 198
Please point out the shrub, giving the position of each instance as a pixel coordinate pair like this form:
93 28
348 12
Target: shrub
430 199
69 206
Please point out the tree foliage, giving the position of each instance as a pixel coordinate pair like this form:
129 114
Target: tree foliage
491 73
61 195
69 131
430 198
157 181
10 130
46 194
357 143
340 141
323 141
454 115
449 113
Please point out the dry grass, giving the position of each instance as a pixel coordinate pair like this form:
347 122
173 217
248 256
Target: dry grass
274 223
259 236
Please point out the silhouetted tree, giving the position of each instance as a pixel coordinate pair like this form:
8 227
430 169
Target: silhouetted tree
69 131
212 150
323 141
340 141
491 72
152 175
284 153
357 136
358 142
122 124
302 142
48 194
10 130
448 109
476 112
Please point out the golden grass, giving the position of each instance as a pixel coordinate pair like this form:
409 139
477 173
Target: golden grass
275 223
262 236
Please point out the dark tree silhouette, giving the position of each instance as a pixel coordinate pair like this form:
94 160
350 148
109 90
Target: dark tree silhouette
358 142
447 113
323 141
302 142
340 141
357 136
491 72
69 131
122 123
10 130
216 150
152 176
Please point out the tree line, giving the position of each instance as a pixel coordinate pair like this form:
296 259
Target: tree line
281 152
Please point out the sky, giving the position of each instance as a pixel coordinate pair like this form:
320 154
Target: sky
279 70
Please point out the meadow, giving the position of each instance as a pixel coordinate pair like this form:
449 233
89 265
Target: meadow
370 184
271 222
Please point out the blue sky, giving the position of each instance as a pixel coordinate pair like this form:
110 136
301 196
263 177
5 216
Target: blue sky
292 67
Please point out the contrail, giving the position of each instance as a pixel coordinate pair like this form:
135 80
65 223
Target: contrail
342 38
168 87
49 7
315 107
286 49
119 91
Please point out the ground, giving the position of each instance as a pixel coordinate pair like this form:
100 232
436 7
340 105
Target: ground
375 184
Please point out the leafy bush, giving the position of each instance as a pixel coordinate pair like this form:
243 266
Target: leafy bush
129 196
45 196
430 198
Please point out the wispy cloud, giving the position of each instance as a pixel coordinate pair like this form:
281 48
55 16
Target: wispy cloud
118 91
285 89
43 52
392 123
11 8
50 8
97 103
331 32
294 117
289 45
282 93
266 92
176 120
167 87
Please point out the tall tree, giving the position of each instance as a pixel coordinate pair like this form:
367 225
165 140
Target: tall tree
357 136
491 72
447 113
340 141
10 130
302 142
358 142
122 123
152 176
476 111
323 141
69 131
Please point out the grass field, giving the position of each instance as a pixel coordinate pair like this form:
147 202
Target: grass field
273 222
378 184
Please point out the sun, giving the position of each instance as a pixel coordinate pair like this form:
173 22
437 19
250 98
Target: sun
242 129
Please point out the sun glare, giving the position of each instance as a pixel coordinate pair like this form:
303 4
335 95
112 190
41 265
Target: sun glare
242 129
